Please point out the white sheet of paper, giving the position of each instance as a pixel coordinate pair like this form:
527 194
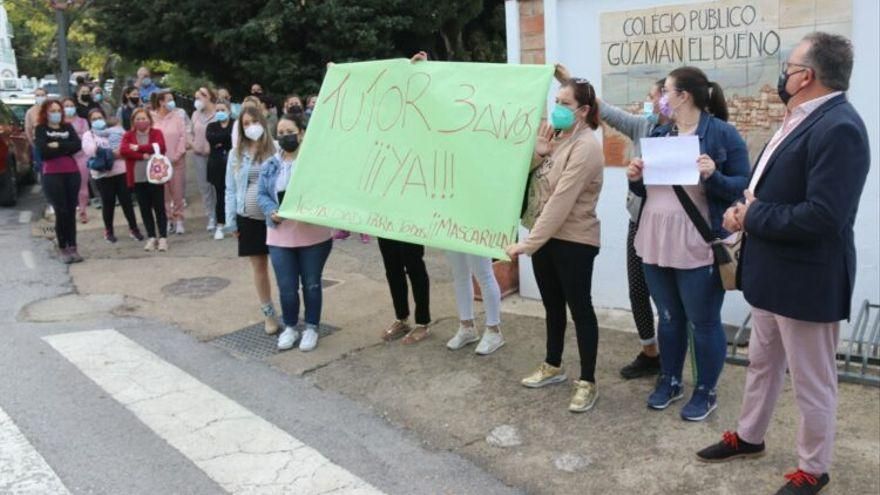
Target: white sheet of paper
670 161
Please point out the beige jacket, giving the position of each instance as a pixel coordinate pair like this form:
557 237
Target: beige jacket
30 122
563 193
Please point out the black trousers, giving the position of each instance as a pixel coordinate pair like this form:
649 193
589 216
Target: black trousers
639 297
112 189
217 178
151 201
564 273
403 260
62 192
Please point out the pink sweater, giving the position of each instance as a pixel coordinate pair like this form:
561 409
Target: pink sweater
173 127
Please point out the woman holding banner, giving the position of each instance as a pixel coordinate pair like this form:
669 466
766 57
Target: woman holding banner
635 127
244 218
298 250
679 264
466 268
564 187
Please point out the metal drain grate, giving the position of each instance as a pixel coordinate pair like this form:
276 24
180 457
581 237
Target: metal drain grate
253 342
195 288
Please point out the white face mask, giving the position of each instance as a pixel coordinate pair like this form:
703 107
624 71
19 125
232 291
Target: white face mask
253 132
199 104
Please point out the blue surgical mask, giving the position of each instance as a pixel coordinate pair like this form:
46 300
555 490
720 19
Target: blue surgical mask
39 100
146 81
98 97
562 118
648 113
221 116
69 111
54 117
236 110
99 125
170 105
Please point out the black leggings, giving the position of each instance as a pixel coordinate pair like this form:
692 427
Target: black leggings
639 297
151 200
564 272
62 192
111 189
403 259
217 178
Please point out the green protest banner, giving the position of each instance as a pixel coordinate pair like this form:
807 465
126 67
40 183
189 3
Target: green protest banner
433 153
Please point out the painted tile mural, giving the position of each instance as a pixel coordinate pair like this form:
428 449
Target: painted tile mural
739 44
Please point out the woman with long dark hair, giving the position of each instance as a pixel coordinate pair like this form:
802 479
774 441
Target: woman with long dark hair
679 264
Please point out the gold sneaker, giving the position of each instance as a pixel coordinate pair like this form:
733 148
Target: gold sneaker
543 376
584 398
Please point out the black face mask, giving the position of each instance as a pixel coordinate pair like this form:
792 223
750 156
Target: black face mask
289 142
85 98
784 95
134 101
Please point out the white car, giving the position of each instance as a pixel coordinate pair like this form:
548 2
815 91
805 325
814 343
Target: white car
19 104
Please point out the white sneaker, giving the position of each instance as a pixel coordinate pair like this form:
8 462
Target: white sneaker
287 338
309 339
463 337
151 244
163 244
491 342
170 226
212 224
218 234
179 230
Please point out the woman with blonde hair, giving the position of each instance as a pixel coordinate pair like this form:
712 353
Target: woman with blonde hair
244 218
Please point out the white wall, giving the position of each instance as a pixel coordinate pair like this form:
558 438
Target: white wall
572 37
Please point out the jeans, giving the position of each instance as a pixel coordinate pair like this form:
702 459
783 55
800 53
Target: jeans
295 266
465 267
693 295
151 201
564 273
62 191
402 259
111 189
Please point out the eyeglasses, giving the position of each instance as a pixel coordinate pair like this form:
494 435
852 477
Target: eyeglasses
786 65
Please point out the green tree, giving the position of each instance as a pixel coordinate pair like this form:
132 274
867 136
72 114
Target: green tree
286 44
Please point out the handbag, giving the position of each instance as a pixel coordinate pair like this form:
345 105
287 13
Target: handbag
725 251
159 169
102 161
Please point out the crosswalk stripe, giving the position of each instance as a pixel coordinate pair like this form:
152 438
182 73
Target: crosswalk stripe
23 471
239 450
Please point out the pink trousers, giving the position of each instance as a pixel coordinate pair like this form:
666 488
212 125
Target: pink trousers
83 198
175 190
808 350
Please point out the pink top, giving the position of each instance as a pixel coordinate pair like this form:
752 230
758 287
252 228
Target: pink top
82 126
291 234
667 237
200 120
790 123
173 127
90 144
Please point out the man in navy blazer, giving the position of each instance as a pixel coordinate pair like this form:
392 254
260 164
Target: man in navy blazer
797 264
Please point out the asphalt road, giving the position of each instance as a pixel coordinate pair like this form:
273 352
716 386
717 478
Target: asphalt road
118 405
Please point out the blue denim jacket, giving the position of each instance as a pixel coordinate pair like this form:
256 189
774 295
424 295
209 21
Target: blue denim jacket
726 147
267 197
236 186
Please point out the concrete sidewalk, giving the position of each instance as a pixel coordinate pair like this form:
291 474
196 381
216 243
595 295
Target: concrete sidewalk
455 400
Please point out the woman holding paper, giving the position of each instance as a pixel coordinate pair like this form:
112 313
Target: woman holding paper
679 263
298 249
564 187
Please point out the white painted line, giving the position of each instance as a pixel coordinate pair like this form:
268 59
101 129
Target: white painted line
25 216
36 189
23 471
28 257
239 450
